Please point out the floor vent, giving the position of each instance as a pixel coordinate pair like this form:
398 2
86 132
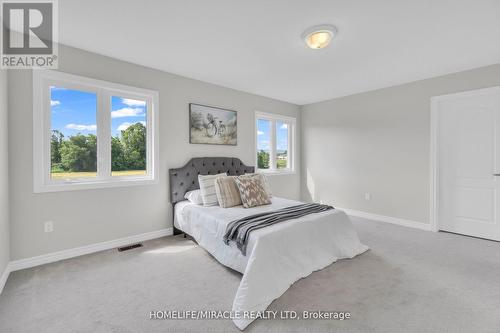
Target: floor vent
129 247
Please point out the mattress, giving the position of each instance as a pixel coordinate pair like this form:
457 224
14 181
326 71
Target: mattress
277 255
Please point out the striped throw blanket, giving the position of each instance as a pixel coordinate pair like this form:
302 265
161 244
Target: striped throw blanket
239 230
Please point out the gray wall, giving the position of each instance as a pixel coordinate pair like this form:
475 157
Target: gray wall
4 176
378 142
87 217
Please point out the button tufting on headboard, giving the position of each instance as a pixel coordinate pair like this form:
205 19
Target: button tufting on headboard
185 179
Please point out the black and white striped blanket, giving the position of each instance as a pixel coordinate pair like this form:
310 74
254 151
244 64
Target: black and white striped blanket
239 230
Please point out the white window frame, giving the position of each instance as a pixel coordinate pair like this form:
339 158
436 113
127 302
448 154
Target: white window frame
42 181
273 118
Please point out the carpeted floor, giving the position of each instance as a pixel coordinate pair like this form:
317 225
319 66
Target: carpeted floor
410 281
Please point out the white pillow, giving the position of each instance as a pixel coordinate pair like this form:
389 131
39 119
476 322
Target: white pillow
194 197
207 187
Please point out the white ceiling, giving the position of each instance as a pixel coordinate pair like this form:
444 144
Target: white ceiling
255 46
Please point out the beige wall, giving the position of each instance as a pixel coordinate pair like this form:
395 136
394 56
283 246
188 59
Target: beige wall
4 176
87 217
378 143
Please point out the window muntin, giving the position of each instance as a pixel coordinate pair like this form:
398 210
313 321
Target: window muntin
73 108
274 143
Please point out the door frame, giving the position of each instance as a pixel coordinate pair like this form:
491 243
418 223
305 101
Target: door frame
434 151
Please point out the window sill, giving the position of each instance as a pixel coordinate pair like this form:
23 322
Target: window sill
92 185
276 173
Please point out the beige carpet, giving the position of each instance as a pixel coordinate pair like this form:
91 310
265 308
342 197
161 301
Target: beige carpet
410 281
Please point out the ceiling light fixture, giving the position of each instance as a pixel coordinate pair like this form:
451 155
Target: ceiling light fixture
319 36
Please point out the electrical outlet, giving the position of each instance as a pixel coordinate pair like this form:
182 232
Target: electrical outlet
368 196
48 226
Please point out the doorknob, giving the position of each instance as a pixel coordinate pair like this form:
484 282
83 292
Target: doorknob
496 174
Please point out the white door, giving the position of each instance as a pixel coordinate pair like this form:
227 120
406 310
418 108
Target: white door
468 160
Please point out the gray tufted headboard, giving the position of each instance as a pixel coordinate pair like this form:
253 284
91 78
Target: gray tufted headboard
185 179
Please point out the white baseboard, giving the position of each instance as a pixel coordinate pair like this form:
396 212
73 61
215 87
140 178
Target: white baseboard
388 219
5 275
87 249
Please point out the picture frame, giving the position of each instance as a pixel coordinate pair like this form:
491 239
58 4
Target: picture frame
212 125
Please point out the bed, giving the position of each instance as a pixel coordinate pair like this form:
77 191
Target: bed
277 255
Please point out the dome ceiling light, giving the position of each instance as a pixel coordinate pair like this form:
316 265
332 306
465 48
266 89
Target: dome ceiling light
319 36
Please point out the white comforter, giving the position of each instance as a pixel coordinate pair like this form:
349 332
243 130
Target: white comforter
277 255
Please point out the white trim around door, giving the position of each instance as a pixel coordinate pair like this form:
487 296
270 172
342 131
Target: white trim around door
434 152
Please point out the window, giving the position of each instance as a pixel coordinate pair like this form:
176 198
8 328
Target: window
274 142
73 135
128 137
92 134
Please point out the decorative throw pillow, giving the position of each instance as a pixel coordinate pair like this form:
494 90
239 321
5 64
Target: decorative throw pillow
207 188
194 197
264 180
252 191
228 194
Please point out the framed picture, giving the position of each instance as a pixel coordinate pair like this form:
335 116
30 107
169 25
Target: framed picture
212 125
